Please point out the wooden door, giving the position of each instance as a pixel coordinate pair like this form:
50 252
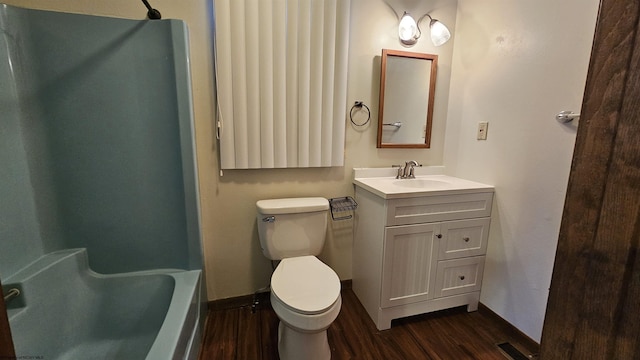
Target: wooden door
593 310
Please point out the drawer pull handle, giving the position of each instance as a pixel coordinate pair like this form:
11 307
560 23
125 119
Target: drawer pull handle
439 236
466 239
461 277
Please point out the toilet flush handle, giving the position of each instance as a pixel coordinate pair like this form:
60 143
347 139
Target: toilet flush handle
269 219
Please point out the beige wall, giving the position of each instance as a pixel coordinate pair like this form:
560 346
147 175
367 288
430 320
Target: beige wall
234 263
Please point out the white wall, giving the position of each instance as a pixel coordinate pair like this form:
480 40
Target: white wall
516 64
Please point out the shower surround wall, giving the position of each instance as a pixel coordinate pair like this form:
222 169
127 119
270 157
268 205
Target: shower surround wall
96 146
93 152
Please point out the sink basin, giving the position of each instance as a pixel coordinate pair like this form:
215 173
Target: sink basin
421 183
383 183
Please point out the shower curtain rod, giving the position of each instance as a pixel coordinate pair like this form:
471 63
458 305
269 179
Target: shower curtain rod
152 14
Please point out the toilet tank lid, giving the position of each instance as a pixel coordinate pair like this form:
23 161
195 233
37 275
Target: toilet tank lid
292 205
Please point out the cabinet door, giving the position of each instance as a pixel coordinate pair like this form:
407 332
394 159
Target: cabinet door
463 238
409 264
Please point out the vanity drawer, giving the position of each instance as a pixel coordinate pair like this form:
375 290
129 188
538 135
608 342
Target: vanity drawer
438 208
463 238
459 276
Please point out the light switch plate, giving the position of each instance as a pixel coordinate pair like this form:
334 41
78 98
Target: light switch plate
483 126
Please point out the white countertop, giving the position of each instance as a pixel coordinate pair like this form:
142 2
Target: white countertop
383 183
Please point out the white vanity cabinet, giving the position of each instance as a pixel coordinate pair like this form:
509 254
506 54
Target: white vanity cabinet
422 253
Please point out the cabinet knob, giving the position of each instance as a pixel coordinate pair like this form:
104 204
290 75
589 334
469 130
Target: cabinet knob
461 277
466 239
439 236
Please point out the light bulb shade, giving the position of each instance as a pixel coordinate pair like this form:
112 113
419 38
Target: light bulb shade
408 29
439 33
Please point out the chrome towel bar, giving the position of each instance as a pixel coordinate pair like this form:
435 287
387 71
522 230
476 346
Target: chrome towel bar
397 124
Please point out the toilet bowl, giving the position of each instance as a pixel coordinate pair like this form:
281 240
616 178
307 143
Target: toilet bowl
305 293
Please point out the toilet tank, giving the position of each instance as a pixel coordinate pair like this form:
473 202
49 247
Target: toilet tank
292 227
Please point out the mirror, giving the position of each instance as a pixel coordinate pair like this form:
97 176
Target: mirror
407 89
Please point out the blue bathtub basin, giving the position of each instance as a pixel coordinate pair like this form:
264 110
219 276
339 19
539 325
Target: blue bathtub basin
67 311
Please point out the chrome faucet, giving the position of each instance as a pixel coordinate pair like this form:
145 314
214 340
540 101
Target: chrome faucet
408 171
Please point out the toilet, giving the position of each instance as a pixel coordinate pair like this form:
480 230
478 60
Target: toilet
305 293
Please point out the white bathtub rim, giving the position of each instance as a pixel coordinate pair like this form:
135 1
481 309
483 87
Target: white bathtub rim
185 298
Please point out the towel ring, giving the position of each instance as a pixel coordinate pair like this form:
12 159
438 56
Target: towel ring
359 105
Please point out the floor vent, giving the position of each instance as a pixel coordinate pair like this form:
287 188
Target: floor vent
511 352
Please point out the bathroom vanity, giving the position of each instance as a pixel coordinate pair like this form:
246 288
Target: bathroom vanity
419 243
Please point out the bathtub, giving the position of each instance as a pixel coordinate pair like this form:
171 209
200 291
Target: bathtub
67 311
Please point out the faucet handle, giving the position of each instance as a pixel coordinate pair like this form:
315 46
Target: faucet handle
400 173
411 174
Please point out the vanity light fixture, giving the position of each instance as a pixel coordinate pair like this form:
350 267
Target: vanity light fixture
409 30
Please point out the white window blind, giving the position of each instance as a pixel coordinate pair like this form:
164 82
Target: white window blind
281 74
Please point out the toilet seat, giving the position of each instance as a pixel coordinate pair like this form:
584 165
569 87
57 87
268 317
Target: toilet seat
305 285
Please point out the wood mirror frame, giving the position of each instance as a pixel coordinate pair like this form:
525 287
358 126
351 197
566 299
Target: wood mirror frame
407 93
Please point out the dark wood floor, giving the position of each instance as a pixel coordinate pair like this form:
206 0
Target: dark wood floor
240 333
